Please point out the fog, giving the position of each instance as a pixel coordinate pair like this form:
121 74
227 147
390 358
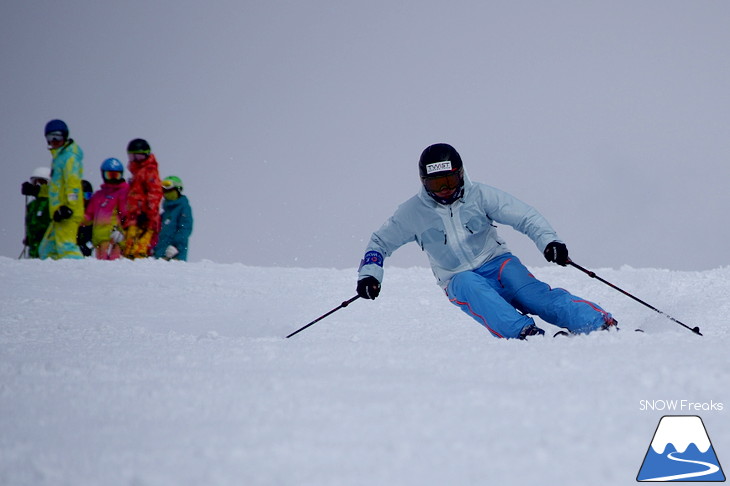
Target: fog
296 126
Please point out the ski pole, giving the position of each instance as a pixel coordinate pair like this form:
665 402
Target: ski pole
25 247
342 305
591 274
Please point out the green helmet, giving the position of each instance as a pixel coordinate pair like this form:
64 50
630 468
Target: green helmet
172 182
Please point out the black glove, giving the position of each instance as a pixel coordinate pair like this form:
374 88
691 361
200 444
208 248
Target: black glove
557 252
64 212
28 189
368 288
142 220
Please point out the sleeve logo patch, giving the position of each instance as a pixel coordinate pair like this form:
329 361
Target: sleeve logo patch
372 258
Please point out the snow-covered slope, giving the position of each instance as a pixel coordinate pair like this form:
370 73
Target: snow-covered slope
156 373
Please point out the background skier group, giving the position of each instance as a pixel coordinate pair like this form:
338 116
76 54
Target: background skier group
66 219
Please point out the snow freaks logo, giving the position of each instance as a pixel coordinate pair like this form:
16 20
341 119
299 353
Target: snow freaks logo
681 406
680 451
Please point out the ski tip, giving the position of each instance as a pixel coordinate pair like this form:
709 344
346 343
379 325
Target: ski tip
696 330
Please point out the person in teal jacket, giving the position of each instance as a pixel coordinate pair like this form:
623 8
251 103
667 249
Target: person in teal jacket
176 221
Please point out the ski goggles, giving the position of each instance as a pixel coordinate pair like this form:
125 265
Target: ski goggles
138 156
55 137
168 185
112 175
443 182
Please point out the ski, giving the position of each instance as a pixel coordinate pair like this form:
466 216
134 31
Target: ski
570 334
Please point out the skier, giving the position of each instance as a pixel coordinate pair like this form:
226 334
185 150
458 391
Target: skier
143 201
65 195
177 222
37 217
452 219
107 211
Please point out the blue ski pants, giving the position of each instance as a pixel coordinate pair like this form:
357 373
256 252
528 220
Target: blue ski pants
500 294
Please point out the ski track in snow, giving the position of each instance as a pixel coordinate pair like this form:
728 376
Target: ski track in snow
156 373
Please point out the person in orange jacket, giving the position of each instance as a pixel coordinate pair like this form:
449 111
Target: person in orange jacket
143 201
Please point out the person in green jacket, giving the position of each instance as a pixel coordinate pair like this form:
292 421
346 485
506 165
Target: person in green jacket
65 194
176 221
37 217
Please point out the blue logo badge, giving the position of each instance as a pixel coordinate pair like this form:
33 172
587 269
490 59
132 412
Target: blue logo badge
372 257
680 451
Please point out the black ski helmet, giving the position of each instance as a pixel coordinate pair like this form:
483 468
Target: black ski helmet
138 146
56 126
441 168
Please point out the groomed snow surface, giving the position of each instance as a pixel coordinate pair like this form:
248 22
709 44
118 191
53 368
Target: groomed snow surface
165 373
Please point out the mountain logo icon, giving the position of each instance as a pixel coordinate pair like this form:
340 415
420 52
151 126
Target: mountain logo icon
680 451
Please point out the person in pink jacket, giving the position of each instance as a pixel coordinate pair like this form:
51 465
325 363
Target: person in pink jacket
107 211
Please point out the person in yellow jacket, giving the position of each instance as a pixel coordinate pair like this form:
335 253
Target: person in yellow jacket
65 194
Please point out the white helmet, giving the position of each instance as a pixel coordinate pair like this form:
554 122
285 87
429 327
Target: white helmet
41 173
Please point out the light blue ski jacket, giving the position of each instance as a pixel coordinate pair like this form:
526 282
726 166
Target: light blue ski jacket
456 237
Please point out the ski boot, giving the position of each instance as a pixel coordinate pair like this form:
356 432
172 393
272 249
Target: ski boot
530 330
609 324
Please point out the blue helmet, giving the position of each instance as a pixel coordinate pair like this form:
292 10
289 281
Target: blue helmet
56 126
112 164
112 171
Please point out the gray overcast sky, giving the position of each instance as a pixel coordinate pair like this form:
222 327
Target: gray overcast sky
297 125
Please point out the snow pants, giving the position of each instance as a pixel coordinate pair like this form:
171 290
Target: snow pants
60 240
138 243
108 250
501 293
